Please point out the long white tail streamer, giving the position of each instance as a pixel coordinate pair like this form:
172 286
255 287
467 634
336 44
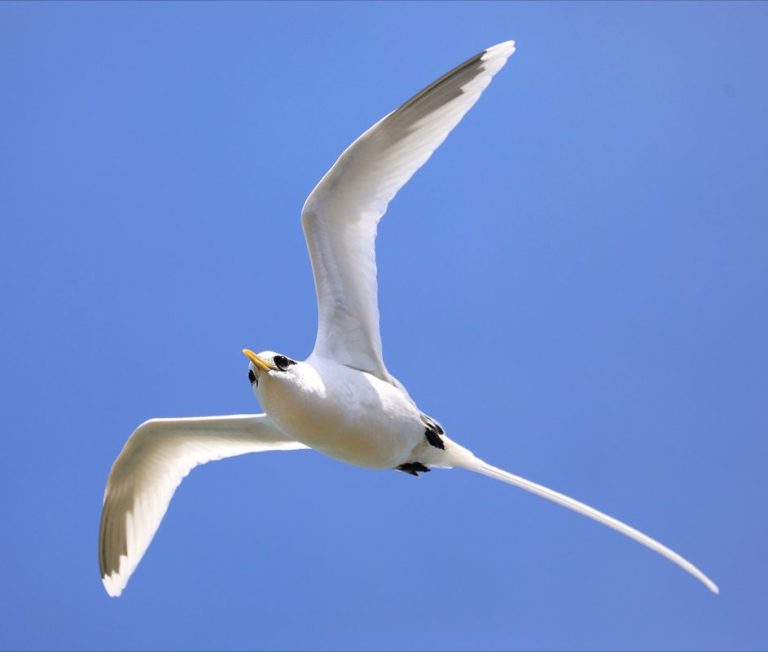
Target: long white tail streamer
463 458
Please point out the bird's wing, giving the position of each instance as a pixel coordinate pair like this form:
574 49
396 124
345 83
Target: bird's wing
155 459
341 214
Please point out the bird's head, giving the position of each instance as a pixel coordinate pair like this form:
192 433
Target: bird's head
266 364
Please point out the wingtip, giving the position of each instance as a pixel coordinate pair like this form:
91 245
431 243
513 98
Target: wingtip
112 585
115 582
504 49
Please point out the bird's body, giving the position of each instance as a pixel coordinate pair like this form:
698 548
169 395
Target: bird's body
341 401
349 415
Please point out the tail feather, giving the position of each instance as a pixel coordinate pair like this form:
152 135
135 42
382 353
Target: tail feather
463 458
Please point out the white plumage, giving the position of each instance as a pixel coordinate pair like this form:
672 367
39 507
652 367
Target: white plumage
156 458
341 400
341 214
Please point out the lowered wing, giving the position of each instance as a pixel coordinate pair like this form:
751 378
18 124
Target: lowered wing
155 459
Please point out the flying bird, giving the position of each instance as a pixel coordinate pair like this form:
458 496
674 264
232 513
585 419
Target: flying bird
341 400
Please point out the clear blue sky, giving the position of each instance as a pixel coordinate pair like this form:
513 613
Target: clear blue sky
576 285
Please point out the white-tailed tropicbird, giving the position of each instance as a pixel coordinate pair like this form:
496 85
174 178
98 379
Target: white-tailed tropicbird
341 400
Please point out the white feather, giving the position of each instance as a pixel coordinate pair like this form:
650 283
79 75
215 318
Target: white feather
341 214
156 458
463 458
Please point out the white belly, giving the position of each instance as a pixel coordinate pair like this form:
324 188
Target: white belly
346 414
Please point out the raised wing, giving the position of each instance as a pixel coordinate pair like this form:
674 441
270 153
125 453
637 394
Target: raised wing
155 459
341 214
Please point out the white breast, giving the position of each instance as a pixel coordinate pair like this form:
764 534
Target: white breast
347 414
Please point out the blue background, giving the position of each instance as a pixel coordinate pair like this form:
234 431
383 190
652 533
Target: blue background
576 285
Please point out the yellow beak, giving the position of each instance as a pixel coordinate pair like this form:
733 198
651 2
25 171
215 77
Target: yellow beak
260 362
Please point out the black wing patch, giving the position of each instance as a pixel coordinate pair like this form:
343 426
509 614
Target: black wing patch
413 468
433 431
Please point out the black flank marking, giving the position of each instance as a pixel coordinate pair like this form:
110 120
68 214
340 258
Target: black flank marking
434 439
431 423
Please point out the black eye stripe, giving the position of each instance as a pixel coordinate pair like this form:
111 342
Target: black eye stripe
251 376
283 363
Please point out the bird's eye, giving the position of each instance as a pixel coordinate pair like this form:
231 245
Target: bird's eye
283 363
251 376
